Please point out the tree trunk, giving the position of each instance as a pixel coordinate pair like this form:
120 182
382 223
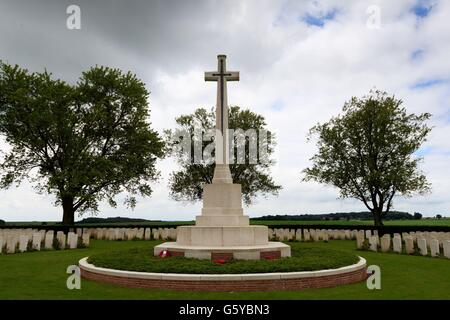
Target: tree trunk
377 218
68 211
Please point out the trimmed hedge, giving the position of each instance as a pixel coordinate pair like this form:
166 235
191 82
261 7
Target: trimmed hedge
303 259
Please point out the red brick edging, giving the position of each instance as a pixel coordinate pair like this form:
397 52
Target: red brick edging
332 278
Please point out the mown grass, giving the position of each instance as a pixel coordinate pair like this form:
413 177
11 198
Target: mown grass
303 259
42 275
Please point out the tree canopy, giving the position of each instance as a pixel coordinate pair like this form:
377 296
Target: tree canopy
368 152
84 142
187 183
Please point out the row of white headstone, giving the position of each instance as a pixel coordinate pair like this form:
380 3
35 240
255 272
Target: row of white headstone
284 234
434 244
21 240
133 233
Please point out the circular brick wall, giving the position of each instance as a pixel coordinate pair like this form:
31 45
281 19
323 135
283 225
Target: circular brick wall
228 282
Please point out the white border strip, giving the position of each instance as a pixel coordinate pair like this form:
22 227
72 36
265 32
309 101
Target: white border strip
221 277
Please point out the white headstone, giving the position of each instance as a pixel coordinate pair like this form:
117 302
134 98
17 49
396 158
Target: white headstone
292 234
314 234
360 240
409 244
173 233
373 242
298 234
11 243
147 233
347 235
37 241
368 234
397 243
325 236
156 236
48 243
434 247
72 239
446 245
115 233
85 239
23 242
1 244
110 234
61 237
269 232
280 232
306 235
140 233
422 245
386 243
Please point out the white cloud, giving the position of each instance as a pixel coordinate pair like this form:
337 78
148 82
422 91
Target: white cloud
307 71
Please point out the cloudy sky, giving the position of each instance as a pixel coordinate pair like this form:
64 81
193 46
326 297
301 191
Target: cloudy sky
299 62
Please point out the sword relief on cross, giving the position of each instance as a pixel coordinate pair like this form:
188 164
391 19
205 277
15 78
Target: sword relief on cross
222 76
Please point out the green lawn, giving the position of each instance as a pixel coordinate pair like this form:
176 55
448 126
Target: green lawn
302 259
41 275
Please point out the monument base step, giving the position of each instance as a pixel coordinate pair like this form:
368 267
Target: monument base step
271 250
222 220
222 236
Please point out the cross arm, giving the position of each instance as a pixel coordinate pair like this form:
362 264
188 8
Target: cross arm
232 76
210 76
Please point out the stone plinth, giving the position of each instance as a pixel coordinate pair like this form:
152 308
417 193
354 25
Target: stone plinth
222 231
269 250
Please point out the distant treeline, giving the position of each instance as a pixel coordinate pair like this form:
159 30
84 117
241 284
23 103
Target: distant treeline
393 215
114 219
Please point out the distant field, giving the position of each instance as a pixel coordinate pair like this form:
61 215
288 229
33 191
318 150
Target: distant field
423 222
146 223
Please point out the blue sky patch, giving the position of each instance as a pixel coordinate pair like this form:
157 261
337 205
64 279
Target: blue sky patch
423 84
277 105
422 8
423 151
417 54
319 21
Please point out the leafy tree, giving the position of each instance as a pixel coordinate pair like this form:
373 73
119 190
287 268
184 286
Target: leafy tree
187 183
368 152
84 142
438 216
417 216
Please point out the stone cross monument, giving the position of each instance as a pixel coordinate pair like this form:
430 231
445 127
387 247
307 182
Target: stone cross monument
222 230
222 169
